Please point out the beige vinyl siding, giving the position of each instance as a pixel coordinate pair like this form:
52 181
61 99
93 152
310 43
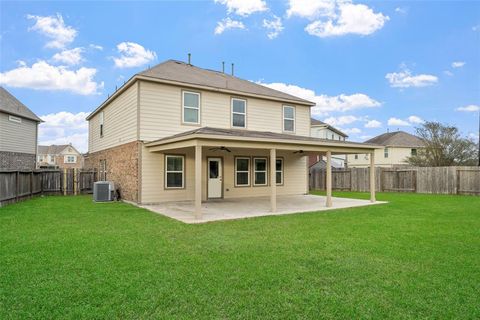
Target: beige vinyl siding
153 169
396 157
18 137
161 112
120 122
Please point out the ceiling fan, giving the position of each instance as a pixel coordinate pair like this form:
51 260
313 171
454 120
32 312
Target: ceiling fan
220 149
299 151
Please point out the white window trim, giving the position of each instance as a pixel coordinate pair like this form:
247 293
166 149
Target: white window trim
65 159
284 118
255 171
281 171
183 107
247 171
176 171
244 113
386 152
15 119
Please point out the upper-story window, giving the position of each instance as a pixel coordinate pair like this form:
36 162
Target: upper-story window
101 124
385 153
289 118
239 113
70 159
52 159
414 152
191 107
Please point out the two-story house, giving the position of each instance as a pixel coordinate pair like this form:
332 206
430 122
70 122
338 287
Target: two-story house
64 156
320 129
177 132
397 147
18 134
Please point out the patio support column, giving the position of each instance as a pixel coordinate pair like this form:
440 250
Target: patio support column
372 177
198 181
273 180
329 179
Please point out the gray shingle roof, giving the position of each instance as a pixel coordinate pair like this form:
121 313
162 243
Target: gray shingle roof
397 139
174 70
10 104
315 122
53 149
258 134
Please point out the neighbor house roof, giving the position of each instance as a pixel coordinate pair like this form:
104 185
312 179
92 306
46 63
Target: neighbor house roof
10 104
249 135
184 74
397 139
54 149
318 123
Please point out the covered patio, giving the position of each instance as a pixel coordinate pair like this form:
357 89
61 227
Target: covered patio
249 207
199 143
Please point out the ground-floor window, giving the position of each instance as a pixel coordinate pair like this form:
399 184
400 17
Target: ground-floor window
242 171
174 171
260 171
103 170
279 171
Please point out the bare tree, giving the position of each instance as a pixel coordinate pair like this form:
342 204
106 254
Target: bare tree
444 146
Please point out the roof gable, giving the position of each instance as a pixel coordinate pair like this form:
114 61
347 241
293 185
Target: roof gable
10 104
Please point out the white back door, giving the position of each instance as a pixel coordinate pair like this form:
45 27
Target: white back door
214 178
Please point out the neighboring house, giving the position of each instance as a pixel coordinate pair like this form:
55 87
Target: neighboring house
320 129
177 132
397 147
18 134
63 156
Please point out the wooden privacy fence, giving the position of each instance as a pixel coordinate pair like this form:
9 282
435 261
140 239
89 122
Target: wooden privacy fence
17 185
436 180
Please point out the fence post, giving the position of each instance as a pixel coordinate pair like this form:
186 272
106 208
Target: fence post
457 185
64 181
75 181
414 180
17 185
31 184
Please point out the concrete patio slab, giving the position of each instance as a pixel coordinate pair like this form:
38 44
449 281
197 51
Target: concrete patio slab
240 208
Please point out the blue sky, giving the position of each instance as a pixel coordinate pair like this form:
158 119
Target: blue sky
369 65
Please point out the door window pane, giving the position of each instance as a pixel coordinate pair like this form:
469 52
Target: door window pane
213 167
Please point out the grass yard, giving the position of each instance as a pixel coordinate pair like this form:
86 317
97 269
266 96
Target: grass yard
416 257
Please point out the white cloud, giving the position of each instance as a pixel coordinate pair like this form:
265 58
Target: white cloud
311 9
458 64
373 124
273 26
415 120
350 131
324 103
469 108
398 122
476 28
351 19
54 27
405 79
133 55
401 10
71 57
228 23
340 121
448 73
43 76
96 47
243 7
63 128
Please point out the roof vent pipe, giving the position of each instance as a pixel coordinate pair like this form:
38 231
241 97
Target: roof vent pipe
189 59
223 66
233 68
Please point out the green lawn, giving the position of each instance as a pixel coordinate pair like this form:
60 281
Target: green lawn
416 257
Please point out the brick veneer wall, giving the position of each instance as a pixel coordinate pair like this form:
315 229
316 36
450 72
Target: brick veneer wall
16 161
122 167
